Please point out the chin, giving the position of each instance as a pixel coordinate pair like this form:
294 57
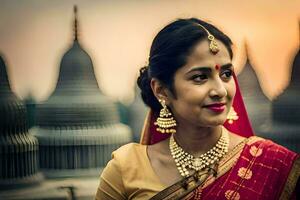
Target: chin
215 122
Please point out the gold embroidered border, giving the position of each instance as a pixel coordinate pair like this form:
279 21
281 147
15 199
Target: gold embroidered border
291 182
229 159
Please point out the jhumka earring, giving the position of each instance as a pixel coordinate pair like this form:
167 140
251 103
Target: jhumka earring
165 121
232 116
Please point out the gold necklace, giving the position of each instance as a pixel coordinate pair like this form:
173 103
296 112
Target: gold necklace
185 161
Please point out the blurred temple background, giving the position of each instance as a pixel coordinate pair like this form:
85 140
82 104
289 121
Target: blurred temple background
67 82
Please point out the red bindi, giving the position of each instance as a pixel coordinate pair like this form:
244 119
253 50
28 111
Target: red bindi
217 67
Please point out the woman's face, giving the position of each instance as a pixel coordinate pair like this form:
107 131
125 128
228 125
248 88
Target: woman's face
204 87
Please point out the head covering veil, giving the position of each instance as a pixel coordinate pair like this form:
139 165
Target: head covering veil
237 122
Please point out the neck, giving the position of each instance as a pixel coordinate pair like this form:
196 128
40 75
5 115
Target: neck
197 140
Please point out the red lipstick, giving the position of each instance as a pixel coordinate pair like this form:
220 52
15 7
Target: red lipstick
216 107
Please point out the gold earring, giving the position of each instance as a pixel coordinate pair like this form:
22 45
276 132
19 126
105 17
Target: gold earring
165 121
232 116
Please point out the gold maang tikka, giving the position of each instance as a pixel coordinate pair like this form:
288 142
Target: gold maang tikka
213 46
165 122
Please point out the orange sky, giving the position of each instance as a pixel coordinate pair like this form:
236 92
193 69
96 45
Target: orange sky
117 34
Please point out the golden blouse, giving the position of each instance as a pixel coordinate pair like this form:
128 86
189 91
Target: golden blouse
129 175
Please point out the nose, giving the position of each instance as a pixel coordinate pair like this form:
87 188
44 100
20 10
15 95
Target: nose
218 89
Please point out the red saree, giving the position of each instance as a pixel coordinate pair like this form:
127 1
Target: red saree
254 169
260 170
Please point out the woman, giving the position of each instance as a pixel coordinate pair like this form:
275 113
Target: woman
197 141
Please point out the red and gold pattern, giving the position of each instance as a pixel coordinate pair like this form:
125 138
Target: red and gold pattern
261 172
230 194
245 173
254 151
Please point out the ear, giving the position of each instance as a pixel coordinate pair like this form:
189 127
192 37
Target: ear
160 91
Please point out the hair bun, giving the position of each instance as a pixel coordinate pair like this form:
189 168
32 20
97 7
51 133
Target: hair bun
144 69
143 78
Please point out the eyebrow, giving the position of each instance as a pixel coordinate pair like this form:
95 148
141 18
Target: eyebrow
208 69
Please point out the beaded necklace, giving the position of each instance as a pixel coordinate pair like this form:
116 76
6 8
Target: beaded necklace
185 161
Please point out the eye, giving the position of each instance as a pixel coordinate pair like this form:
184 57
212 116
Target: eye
227 74
199 77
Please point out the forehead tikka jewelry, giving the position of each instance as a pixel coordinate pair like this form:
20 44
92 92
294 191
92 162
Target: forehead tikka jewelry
213 46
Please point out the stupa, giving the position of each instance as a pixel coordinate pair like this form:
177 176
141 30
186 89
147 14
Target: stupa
18 148
78 126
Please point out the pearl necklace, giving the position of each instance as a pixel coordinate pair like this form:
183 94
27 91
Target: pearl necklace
185 161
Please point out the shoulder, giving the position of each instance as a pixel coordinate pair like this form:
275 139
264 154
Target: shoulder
123 156
122 167
128 158
128 151
271 151
269 145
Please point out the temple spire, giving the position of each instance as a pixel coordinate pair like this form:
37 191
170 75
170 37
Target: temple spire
75 23
77 113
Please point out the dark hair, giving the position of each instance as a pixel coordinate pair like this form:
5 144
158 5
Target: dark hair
169 51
